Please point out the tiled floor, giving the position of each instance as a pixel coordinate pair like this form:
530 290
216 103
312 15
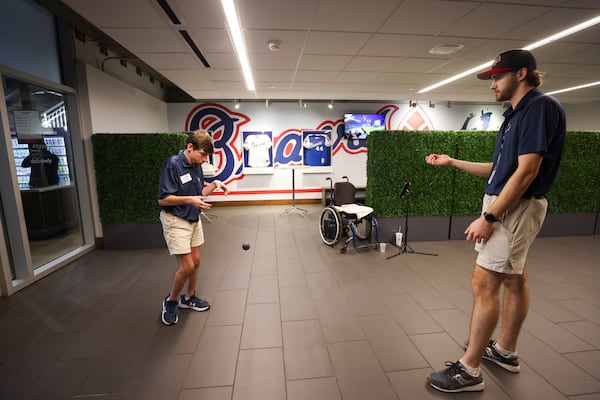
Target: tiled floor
293 319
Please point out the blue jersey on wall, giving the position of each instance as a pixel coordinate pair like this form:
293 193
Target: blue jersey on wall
317 150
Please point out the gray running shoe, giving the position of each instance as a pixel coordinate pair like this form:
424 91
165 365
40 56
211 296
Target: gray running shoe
511 363
456 379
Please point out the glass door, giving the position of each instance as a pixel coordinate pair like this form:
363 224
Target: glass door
41 148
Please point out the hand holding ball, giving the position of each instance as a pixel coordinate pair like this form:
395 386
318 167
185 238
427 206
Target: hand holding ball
246 246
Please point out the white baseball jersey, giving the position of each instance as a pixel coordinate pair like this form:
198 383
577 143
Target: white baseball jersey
258 147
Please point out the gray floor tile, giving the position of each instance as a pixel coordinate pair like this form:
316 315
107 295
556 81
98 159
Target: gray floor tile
409 314
260 375
392 347
305 351
566 376
313 389
337 321
293 319
220 345
359 374
262 326
228 308
263 289
554 335
297 304
162 377
236 278
588 361
215 393
585 330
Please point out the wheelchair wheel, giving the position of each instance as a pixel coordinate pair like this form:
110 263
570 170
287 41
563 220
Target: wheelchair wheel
363 228
330 226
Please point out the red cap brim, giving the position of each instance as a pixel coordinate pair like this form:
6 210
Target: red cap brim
488 74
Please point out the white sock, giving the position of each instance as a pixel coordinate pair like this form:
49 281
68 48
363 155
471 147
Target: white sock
504 352
470 370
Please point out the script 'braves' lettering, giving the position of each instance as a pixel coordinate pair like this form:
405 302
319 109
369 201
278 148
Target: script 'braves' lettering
226 126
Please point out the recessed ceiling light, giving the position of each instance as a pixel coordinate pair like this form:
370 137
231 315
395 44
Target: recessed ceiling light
445 49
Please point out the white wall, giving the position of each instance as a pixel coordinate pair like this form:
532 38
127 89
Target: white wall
108 105
583 117
117 107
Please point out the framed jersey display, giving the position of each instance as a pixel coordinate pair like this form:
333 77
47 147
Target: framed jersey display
316 149
258 152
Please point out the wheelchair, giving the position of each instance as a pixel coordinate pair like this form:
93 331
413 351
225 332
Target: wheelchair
344 217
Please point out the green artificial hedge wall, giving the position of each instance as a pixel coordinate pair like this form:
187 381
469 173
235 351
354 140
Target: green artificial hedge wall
399 156
577 187
127 168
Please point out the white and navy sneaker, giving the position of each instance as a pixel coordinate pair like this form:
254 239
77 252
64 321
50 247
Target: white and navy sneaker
194 302
169 311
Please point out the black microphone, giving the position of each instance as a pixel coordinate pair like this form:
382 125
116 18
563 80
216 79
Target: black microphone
404 189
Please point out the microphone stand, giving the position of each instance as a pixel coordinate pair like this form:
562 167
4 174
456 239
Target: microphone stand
404 247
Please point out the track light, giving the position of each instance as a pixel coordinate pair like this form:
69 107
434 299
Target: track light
330 105
267 103
236 104
412 103
431 105
301 104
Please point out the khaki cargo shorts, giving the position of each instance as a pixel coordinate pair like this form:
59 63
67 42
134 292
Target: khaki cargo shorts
181 235
506 249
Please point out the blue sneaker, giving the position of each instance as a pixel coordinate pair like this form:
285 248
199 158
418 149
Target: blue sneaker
194 302
169 311
456 379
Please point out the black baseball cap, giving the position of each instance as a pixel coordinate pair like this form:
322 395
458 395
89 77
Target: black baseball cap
512 60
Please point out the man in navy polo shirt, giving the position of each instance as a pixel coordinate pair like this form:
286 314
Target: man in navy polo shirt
181 195
527 155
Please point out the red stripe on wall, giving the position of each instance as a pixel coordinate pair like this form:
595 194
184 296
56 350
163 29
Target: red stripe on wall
267 192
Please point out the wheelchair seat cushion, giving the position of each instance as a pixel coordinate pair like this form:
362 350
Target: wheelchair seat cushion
355 209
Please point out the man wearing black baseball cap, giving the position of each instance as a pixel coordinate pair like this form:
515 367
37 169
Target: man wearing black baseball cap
525 163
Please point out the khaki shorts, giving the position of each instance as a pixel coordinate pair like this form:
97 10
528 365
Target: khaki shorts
181 235
506 249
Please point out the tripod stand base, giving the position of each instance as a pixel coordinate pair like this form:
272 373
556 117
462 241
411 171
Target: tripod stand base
405 248
300 211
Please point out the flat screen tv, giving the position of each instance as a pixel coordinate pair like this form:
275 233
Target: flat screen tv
358 126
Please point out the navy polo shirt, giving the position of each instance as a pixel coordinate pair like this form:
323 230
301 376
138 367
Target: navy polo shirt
537 125
178 177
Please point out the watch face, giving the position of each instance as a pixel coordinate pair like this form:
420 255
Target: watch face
490 217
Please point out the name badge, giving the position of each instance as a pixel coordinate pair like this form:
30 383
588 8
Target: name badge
185 178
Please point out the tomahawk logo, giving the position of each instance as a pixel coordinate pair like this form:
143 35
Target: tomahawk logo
225 127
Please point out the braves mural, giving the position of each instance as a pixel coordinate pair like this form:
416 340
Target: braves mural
226 127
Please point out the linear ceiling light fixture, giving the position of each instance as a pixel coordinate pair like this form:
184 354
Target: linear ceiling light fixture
539 43
587 85
238 41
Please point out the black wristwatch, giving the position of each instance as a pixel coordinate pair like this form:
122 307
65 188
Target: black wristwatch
489 217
